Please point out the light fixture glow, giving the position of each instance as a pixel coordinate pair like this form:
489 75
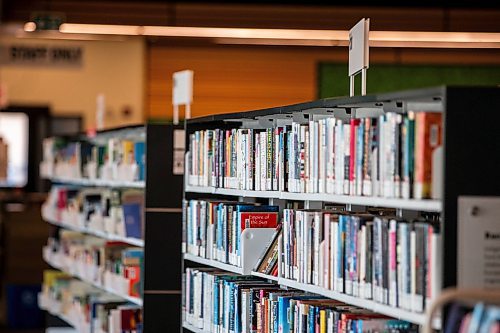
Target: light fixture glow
30 26
296 37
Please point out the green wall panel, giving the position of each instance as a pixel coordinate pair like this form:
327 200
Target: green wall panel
333 79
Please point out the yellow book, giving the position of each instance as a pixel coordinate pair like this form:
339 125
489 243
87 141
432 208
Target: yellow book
322 321
128 151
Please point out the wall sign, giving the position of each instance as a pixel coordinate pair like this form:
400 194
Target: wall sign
41 55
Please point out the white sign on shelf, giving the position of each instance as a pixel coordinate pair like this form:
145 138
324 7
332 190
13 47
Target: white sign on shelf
359 52
179 150
100 111
182 92
478 242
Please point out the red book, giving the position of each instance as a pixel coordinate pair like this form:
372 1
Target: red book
258 220
128 321
428 136
274 272
133 274
352 156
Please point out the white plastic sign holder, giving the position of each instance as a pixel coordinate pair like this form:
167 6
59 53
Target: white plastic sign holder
359 54
182 93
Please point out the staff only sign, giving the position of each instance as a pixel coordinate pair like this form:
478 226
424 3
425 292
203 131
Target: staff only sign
41 55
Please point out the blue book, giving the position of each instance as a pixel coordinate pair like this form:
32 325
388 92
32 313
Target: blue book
140 159
132 215
343 219
311 322
220 231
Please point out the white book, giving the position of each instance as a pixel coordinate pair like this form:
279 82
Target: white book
339 158
362 262
347 153
300 245
316 223
413 270
245 318
319 269
330 155
393 287
397 176
337 253
381 156
374 184
333 263
276 153
206 175
263 163
257 162
310 158
326 252
249 160
437 266
322 159
290 158
296 240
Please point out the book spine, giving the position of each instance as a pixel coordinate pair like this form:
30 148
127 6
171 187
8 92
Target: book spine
358 174
347 157
339 161
269 160
323 153
393 289
352 155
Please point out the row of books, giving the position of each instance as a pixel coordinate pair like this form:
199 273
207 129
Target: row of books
89 309
213 229
113 265
218 302
393 155
479 318
114 211
117 159
384 258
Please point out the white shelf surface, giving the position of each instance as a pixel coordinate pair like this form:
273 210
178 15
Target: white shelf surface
97 233
413 317
98 182
190 327
429 205
213 263
45 304
265 276
132 299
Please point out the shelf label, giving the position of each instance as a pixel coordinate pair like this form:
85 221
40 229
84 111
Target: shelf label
358 46
182 89
182 93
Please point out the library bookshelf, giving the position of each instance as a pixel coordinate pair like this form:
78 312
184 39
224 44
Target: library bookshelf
464 135
161 217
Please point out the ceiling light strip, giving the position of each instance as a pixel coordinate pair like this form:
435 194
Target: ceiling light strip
295 36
